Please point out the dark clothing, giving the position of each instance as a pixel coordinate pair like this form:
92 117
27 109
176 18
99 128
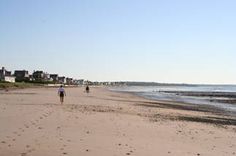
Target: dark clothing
87 89
61 94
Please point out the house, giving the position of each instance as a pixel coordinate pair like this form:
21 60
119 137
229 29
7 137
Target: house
6 75
54 77
87 82
31 77
47 77
69 81
78 82
22 75
38 76
62 79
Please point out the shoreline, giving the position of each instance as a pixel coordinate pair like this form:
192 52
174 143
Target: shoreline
188 106
224 117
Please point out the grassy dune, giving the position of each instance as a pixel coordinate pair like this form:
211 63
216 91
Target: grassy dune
7 85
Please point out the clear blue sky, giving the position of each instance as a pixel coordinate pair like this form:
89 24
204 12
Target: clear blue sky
183 41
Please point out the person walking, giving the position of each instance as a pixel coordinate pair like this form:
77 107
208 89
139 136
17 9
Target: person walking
61 93
87 89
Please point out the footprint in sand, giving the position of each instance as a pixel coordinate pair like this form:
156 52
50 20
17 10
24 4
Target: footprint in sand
21 129
40 128
29 151
23 154
3 142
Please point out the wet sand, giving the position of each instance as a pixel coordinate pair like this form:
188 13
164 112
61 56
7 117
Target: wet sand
34 123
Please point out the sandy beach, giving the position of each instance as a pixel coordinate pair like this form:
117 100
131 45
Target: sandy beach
105 123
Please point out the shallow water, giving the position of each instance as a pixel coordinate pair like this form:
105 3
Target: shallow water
173 93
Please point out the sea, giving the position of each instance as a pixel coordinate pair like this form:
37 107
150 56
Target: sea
172 93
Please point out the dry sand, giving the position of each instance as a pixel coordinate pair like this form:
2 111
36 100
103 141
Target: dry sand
104 123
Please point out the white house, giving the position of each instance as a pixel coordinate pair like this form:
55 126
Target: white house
6 75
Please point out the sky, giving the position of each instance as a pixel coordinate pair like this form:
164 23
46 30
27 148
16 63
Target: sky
170 41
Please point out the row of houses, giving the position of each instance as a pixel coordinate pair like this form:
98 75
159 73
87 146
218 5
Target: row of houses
37 76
